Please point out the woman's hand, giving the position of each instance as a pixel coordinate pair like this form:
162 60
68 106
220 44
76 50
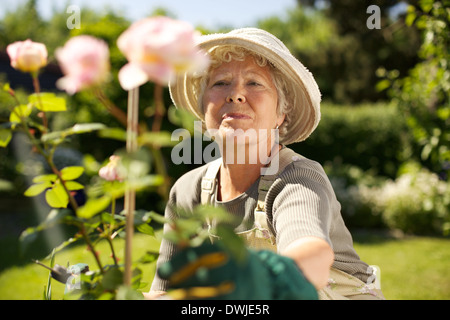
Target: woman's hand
153 295
314 257
211 272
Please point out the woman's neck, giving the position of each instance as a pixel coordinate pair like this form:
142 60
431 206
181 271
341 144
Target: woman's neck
236 177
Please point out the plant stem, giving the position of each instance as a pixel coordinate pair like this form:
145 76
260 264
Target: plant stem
37 90
74 205
130 195
109 233
159 108
156 127
113 253
112 108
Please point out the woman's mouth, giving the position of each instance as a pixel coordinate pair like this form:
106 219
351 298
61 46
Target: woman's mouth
235 116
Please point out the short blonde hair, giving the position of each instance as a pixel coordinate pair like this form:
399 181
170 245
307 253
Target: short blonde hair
227 53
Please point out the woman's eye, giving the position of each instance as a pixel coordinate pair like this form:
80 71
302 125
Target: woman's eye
219 83
254 83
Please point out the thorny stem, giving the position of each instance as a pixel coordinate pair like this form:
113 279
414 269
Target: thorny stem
74 205
159 108
156 127
112 108
109 235
37 89
130 194
49 159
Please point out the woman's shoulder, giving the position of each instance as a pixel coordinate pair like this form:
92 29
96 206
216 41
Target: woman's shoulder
189 184
191 177
300 166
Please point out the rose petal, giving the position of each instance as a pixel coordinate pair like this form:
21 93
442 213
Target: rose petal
27 56
84 61
159 72
161 47
131 76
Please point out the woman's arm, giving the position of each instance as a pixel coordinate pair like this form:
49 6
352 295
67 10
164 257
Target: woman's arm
153 295
314 257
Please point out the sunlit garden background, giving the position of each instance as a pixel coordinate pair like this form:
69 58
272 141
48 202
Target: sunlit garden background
384 137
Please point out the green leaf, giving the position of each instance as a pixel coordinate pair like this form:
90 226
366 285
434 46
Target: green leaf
73 185
157 139
107 218
127 293
6 185
146 182
20 112
182 118
113 133
30 234
36 189
86 127
65 244
48 102
45 178
157 217
59 136
5 137
6 87
54 137
149 257
48 293
145 229
71 173
383 85
112 279
93 206
411 15
57 197
234 243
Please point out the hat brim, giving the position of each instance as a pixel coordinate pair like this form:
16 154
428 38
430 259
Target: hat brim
306 109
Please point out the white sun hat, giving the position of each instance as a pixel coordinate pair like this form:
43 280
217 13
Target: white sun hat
305 115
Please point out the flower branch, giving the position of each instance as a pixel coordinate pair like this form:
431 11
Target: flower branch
156 49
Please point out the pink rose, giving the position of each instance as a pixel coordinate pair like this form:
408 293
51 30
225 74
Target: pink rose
27 56
84 61
157 48
111 171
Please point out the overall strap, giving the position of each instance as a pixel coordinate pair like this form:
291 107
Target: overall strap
209 181
285 157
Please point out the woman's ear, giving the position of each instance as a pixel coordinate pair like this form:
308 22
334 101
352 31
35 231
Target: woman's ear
280 120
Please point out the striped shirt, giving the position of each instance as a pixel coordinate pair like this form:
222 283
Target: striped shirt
301 202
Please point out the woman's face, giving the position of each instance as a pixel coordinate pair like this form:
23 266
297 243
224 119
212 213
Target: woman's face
241 95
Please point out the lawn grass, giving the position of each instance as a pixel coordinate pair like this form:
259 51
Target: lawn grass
26 282
415 268
411 268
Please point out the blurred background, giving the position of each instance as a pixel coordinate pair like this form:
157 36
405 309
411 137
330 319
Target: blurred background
384 137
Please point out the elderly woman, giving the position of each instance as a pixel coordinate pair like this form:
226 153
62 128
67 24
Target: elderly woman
284 201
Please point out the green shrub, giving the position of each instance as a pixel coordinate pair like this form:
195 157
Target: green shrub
350 184
416 202
371 137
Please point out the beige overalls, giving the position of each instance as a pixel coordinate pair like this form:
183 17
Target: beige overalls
341 286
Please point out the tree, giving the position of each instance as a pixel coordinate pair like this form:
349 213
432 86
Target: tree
424 94
334 42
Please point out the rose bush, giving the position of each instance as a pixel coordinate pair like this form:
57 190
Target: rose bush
156 48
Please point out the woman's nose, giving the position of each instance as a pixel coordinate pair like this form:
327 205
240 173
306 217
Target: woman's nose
236 95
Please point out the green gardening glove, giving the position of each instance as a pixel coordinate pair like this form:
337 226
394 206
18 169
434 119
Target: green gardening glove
211 272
